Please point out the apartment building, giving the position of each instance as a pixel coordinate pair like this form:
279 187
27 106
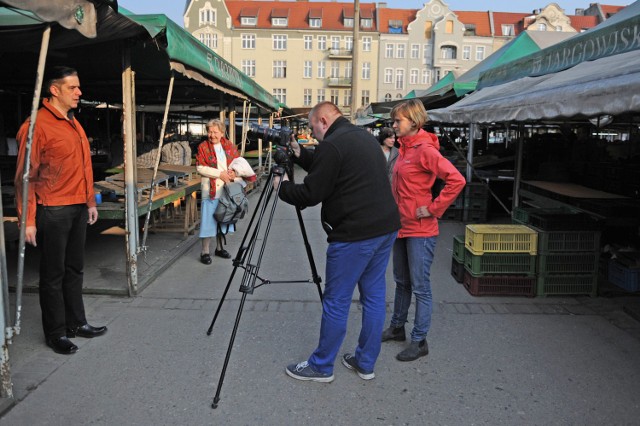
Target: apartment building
303 51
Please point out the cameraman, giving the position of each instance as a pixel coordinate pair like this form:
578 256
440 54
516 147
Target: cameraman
346 173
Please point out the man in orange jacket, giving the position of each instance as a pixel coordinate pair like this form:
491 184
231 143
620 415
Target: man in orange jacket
61 201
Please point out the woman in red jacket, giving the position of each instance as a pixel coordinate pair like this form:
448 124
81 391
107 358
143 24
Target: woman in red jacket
417 167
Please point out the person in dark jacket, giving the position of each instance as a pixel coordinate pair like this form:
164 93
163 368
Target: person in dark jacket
346 173
387 139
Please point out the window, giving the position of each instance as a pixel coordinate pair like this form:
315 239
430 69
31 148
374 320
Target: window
346 100
209 40
448 52
322 69
479 53
322 42
415 51
413 76
542 27
388 50
507 30
280 95
279 22
279 69
321 95
248 41
348 43
335 42
399 79
388 75
306 101
348 22
366 44
466 53
335 94
348 69
426 76
308 66
428 29
308 42
400 49
366 23
449 27
365 100
248 21
315 22
279 42
427 53
470 30
335 69
399 96
558 28
366 70
387 97
437 75
207 16
249 67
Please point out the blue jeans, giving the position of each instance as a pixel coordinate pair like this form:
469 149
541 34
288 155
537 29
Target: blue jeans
412 258
363 263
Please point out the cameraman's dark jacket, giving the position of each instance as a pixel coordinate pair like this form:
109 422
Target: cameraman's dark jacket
347 173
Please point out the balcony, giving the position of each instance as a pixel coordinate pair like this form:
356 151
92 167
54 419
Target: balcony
339 82
340 53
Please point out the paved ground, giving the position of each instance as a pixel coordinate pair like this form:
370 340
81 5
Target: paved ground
495 361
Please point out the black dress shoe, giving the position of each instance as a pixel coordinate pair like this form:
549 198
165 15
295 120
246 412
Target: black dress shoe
62 345
87 331
205 258
223 254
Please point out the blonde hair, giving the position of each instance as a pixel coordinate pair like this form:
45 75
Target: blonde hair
216 123
413 109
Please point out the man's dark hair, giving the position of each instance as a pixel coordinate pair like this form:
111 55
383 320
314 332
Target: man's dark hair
57 73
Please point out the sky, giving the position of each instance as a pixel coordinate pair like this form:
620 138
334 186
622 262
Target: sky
174 8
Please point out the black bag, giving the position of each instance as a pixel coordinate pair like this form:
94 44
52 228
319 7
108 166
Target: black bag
232 204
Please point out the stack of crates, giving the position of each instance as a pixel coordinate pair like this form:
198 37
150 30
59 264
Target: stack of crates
624 271
500 260
455 211
476 202
568 251
457 260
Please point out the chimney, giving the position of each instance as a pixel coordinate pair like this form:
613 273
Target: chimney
579 12
382 5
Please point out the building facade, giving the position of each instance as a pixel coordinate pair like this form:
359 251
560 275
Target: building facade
303 52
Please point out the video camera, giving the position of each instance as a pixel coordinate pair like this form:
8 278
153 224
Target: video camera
279 137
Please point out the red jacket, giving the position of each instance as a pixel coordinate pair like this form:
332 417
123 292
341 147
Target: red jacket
415 172
60 171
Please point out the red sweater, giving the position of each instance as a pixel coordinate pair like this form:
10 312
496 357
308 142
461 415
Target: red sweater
415 172
60 171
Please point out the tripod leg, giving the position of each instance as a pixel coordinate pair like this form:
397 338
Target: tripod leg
224 295
314 271
216 398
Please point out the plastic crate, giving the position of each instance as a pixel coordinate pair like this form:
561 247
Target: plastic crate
475 190
481 239
499 263
563 221
475 216
623 276
500 285
568 263
457 270
522 214
568 241
458 203
567 284
476 203
458 248
452 214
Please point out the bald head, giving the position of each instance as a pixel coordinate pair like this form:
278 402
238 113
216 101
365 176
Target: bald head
321 117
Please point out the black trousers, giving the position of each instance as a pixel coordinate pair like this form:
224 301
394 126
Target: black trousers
61 234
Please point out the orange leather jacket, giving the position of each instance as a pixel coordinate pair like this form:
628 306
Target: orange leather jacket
60 171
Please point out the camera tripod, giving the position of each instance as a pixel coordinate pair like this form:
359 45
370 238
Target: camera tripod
249 250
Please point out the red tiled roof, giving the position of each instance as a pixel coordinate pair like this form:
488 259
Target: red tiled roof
280 13
583 22
385 15
299 13
479 19
508 18
609 10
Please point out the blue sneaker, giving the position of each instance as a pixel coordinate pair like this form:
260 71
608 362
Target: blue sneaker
303 371
349 361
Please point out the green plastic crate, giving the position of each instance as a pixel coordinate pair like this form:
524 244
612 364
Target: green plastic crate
568 241
567 284
458 248
569 263
499 263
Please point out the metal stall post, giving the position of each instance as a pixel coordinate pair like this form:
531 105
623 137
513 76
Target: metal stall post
130 189
472 135
518 174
